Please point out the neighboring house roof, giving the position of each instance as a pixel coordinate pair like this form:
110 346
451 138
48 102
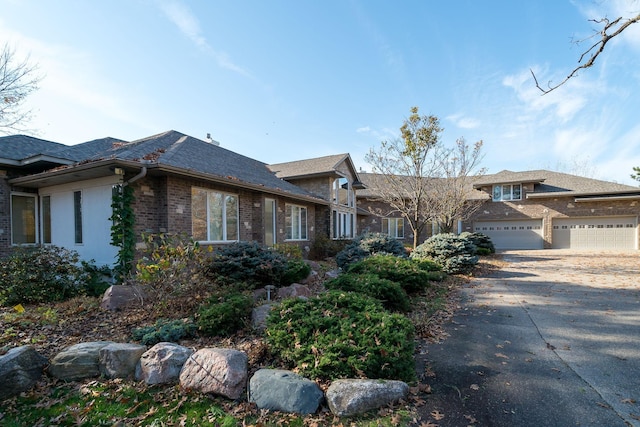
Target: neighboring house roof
553 184
23 150
373 181
318 166
177 153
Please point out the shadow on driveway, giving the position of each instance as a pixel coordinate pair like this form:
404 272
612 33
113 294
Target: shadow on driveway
552 339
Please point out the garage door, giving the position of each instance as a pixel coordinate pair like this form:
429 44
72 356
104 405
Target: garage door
524 234
616 233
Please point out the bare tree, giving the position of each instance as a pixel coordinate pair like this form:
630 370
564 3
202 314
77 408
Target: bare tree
421 180
17 80
452 196
609 30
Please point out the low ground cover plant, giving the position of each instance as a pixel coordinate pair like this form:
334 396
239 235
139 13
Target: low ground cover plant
224 313
342 335
411 274
389 293
165 330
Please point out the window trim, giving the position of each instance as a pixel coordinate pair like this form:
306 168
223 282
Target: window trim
224 213
340 219
503 197
392 225
303 223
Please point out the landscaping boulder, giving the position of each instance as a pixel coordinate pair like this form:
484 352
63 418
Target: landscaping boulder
162 363
259 316
119 360
352 396
20 369
280 390
295 290
117 297
216 370
78 361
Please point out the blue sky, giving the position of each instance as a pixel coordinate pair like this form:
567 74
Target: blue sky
286 80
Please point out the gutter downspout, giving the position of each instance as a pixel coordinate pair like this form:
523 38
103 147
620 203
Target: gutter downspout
141 174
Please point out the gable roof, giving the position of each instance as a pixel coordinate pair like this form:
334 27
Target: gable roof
318 166
173 152
550 183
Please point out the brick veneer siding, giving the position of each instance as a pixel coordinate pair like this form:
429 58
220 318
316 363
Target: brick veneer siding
163 204
548 209
373 221
5 215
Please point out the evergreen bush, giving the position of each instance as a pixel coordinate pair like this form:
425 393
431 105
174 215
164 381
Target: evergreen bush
412 275
368 244
483 242
164 331
224 314
342 335
456 254
297 270
388 292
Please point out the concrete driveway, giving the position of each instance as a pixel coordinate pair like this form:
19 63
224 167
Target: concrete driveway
552 339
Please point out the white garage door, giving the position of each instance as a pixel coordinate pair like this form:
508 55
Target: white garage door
617 233
522 234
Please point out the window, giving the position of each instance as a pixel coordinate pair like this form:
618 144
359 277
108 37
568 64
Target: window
23 219
295 222
46 218
507 192
77 216
394 227
214 216
342 225
342 192
270 222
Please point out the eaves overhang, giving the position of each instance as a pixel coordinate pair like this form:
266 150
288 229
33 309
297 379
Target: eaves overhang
102 168
35 160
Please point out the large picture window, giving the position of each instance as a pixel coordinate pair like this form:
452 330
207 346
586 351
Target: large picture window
296 222
394 227
214 216
23 219
342 192
506 192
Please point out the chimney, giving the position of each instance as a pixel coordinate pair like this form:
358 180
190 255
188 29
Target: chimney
211 140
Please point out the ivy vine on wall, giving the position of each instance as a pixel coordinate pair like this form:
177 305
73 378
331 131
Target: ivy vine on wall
122 229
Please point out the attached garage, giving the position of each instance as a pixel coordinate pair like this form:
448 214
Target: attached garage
513 234
612 233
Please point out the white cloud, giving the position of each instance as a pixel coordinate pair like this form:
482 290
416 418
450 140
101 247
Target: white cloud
188 24
463 122
377 134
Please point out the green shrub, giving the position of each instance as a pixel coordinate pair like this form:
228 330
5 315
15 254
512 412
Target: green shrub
483 243
324 247
224 315
98 279
171 265
41 274
342 335
389 293
297 270
412 276
289 250
248 262
164 331
368 244
456 254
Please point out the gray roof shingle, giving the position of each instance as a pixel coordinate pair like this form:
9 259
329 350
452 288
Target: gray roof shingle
20 147
300 168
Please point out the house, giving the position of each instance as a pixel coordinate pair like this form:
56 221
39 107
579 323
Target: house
61 195
331 178
544 209
530 210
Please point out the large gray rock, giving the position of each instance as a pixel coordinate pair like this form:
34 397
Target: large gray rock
117 297
280 390
216 370
78 361
259 316
295 290
20 369
351 397
162 363
119 360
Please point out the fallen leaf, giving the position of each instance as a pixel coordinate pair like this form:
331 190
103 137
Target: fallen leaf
437 415
471 419
629 400
504 356
474 387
